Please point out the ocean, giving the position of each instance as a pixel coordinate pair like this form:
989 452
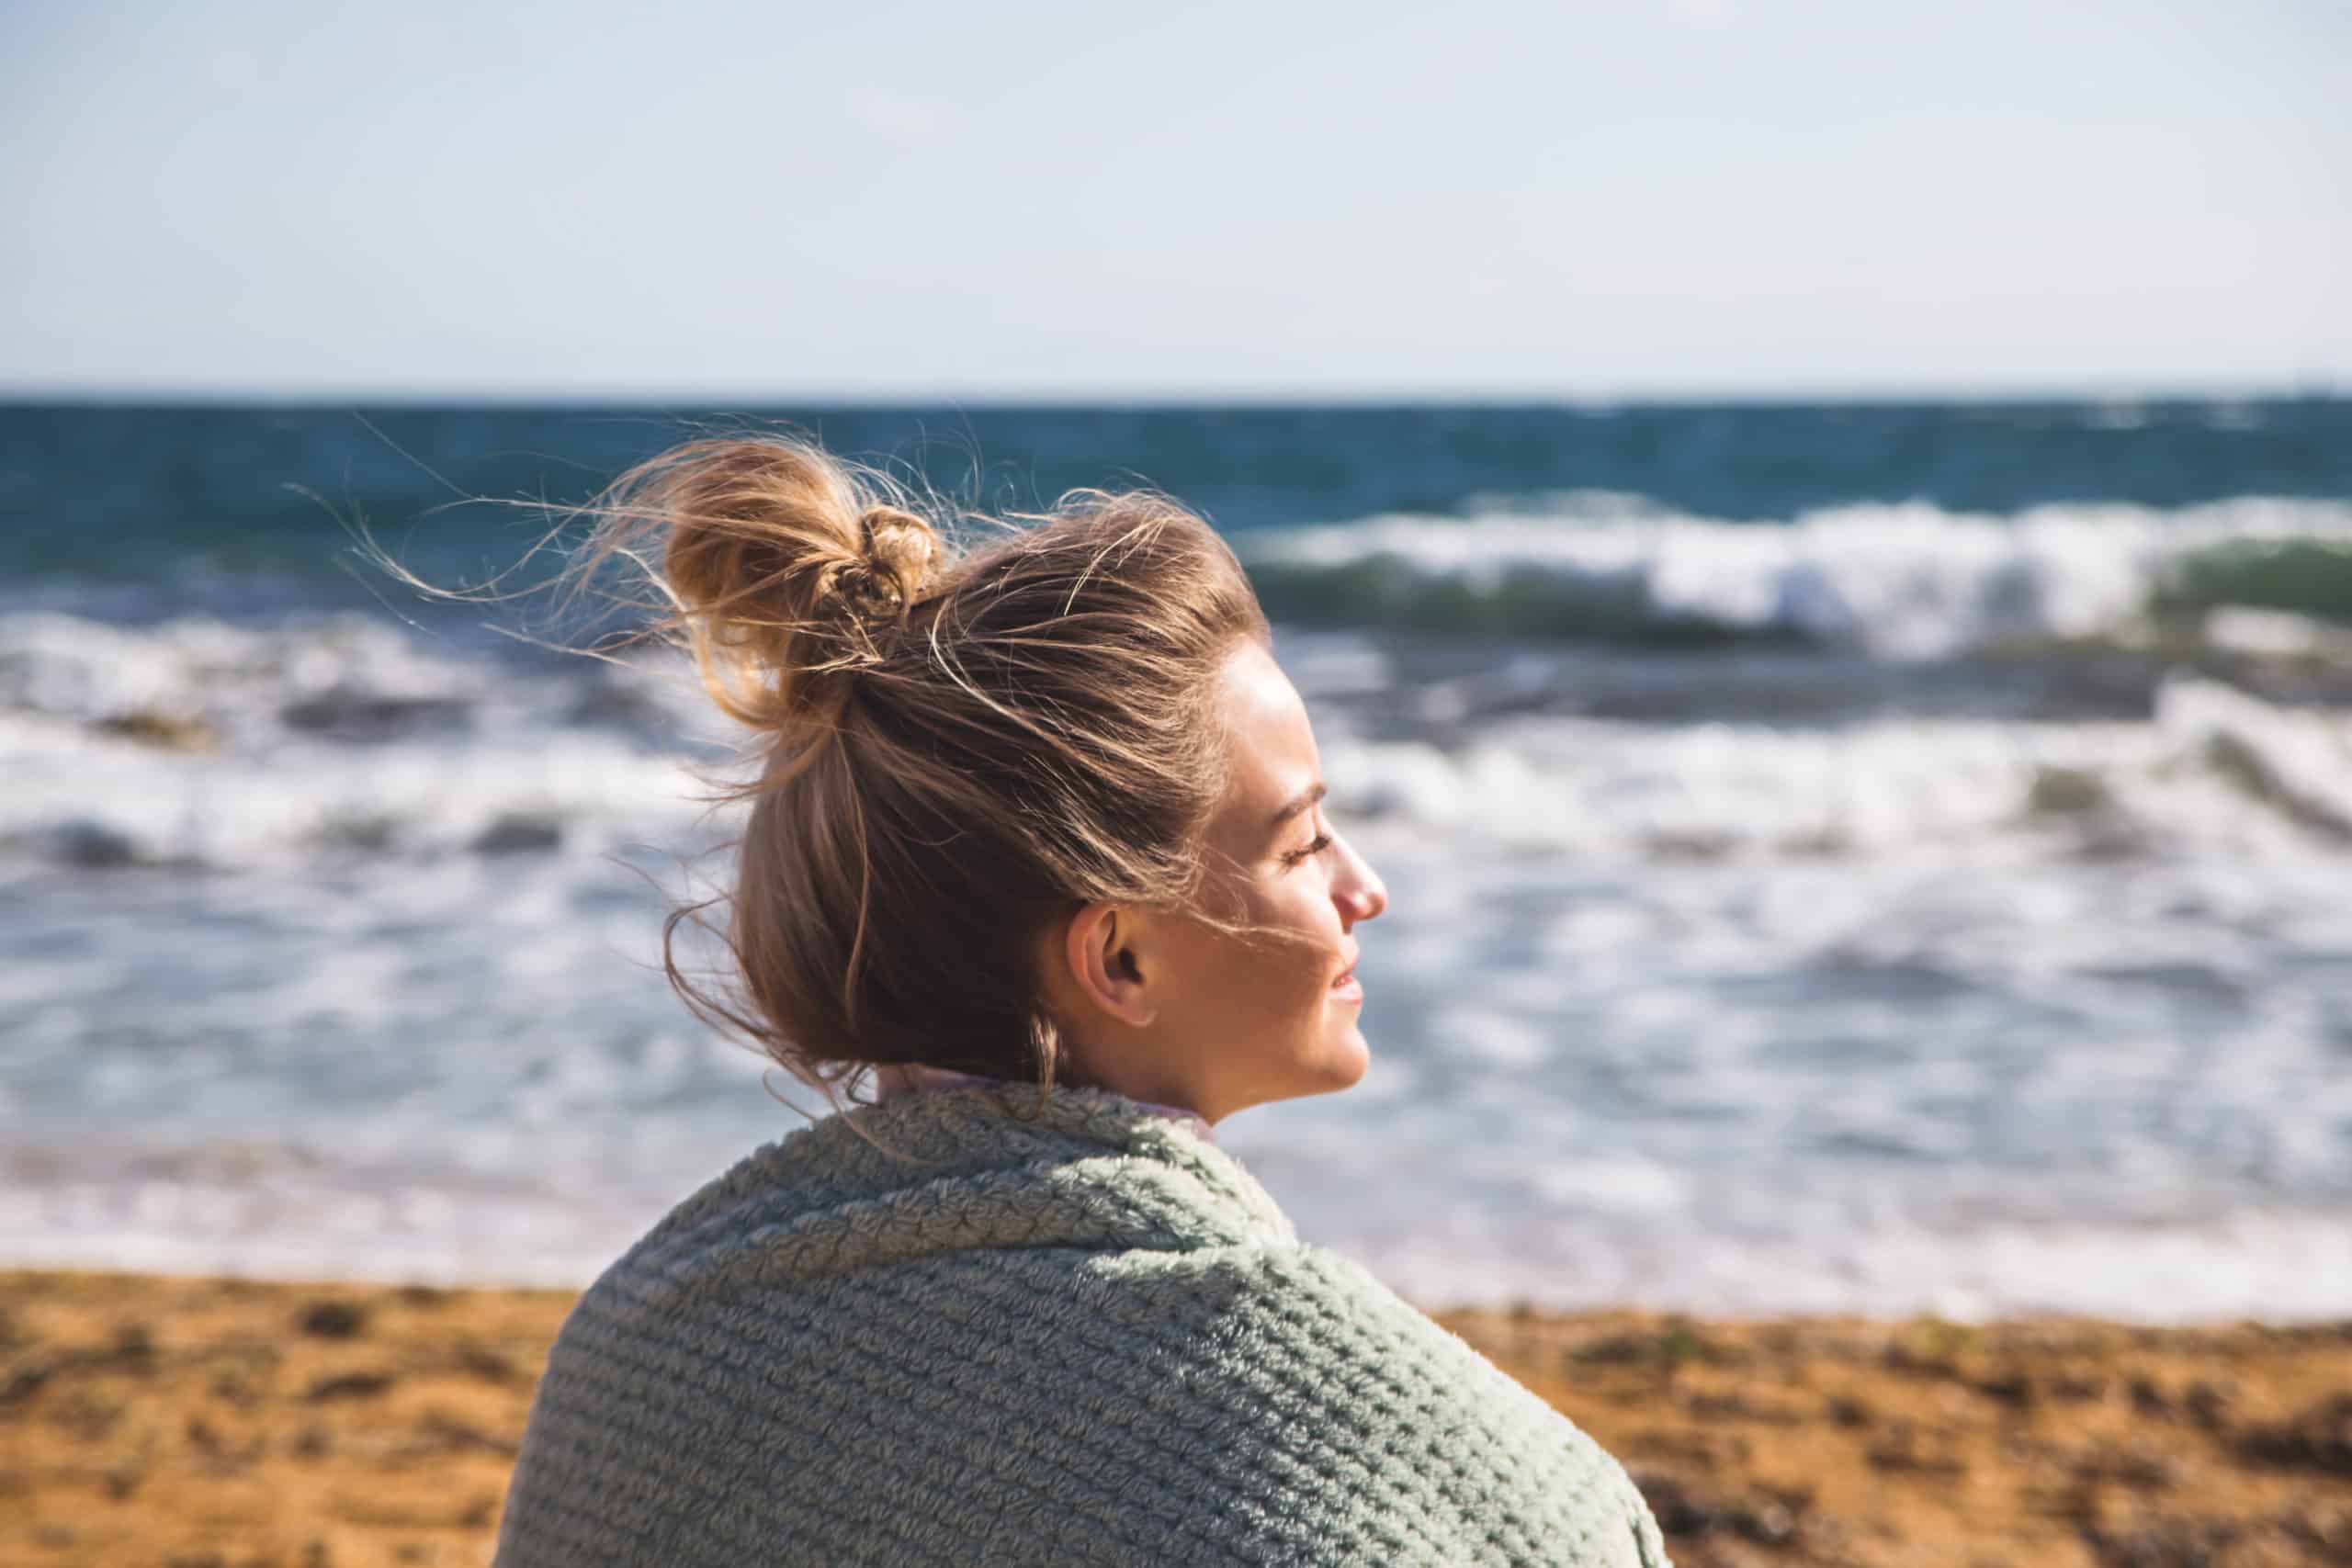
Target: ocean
1844 857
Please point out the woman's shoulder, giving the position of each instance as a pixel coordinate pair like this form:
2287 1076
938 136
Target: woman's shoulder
1316 1368
1252 1398
1107 1301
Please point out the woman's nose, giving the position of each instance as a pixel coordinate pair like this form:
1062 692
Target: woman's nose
1360 892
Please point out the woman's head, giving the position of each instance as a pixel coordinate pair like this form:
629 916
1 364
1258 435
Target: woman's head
1044 809
1257 1000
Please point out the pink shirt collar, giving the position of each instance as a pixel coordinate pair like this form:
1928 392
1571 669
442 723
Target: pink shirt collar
895 1079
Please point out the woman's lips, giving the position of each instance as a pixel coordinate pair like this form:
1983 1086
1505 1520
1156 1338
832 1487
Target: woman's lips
1347 986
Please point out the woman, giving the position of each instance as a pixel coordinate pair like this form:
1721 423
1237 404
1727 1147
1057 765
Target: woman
1039 840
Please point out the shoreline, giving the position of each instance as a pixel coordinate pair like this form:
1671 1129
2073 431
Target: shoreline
158 1419
396 1279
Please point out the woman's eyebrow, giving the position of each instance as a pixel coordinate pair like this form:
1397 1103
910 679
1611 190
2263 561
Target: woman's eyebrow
1299 803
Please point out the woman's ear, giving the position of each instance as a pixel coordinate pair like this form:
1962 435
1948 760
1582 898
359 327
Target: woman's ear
1100 948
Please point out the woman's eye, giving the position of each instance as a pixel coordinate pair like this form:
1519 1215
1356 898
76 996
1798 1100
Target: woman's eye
1313 847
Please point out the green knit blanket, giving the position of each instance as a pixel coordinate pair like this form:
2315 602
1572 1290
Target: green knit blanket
1089 1337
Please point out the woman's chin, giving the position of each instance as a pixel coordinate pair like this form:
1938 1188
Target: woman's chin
1350 1059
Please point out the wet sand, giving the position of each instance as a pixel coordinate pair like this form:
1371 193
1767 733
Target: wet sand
229 1423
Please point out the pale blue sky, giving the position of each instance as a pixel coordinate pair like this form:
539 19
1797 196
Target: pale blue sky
1619 197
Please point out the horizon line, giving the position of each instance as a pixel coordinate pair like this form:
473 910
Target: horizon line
193 395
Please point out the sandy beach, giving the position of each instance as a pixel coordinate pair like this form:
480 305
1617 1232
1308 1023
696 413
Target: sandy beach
234 1424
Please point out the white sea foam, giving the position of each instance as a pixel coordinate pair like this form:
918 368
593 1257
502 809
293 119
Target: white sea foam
1881 1010
1908 580
455 753
319 737
2217 769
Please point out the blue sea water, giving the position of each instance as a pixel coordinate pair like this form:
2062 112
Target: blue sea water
1845 856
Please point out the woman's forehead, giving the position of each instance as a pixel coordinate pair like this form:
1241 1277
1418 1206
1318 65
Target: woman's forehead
1270 743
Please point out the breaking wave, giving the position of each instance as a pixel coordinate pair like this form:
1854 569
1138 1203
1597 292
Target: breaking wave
1896 582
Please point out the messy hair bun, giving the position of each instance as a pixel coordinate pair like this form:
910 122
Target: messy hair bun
787 570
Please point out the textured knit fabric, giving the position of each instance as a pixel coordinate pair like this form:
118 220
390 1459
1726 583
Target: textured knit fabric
1067 1331
917 1077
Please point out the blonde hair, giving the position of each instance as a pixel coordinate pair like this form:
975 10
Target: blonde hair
959 747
